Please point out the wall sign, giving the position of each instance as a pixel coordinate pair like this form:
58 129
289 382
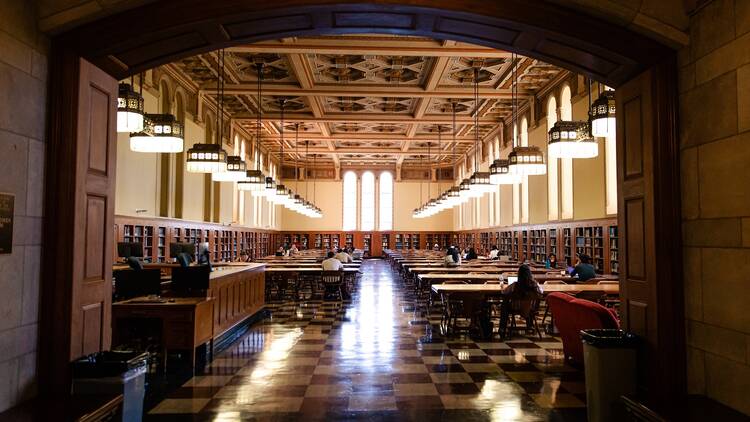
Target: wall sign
6 222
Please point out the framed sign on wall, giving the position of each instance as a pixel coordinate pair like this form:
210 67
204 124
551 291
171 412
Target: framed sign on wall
6 222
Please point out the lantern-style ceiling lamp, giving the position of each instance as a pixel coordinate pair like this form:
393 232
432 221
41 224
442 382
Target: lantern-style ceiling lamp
479 182
500 174
453 197
161 133
528 160
211 158
255 181
603 122
206 158
236 171
130 108
571 140
282 196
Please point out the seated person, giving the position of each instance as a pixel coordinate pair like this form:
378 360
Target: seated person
471 254
332 264
452 258
436 247
583 269
343 257
551 261
293 250
494 252
280 251
525 285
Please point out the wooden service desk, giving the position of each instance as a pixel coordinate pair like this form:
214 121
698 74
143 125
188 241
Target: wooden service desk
186 322
235 293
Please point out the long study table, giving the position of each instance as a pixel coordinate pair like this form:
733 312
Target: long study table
494 289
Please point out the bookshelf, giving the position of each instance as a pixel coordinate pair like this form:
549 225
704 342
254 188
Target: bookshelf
367 244
385 241
614 254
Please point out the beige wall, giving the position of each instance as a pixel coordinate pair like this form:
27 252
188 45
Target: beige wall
329 196
23 78
714 81
588 184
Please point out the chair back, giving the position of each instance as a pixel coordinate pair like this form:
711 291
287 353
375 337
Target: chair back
331 277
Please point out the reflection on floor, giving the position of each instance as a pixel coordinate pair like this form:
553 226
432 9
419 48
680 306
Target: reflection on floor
375 358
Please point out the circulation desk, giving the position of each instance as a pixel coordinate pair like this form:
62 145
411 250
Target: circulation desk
235 293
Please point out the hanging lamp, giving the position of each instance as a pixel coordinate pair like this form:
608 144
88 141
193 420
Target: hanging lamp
255 181
528 160
317 212
210 158
500 173
297 203
130 115
479 182
454 193
572 139
603 111
236 170
282 195
161 133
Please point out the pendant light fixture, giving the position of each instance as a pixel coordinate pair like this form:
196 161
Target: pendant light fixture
500 173
419 212
161 133
317 212
603 111
440 201
130 107
282 196
255 181
297 203
479 182
236 167
529 160
572 139
210 158
454 193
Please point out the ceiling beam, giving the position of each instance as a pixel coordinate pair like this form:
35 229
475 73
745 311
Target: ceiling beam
362 90
359 150
375 137
292 117
372 47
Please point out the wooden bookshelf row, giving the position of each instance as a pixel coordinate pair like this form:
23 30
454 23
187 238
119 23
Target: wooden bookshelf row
598 239
226 243
372 243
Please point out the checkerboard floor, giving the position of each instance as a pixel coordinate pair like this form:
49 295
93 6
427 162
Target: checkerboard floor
378 356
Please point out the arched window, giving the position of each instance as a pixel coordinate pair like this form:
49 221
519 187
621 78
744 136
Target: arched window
368 201
386 201
566 164
552 183
350 201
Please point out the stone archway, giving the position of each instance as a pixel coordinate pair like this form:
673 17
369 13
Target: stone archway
119 45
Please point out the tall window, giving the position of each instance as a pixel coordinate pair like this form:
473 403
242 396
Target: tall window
566 164
552 184
350 201
368 201
386 201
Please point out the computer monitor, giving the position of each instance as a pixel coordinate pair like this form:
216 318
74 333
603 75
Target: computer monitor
128 249
178 248
132 283
190 279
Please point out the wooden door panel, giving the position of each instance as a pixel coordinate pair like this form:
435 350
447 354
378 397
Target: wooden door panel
94 211
649 202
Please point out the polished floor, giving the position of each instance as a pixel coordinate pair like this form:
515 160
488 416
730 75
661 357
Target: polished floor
375 358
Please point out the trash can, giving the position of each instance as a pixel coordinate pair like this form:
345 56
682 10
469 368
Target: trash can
116 372
609 357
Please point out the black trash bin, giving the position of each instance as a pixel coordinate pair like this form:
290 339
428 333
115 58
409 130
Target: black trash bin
609 357
115 372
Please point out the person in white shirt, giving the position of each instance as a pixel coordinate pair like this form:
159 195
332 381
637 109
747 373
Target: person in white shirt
293 250
494 252
343 256
332 264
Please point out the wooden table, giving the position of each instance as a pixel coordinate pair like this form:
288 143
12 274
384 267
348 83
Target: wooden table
305 269
463 269
484 289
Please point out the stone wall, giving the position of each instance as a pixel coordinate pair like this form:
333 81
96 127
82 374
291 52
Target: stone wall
23 74
714 80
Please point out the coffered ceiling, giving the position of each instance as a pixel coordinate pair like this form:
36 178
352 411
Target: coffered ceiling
369 99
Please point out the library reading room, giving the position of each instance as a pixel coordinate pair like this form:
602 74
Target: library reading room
374 210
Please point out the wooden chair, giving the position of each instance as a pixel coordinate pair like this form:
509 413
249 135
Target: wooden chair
332 281
288 286
524 307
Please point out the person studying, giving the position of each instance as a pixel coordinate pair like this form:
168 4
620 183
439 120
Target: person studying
332 264
583 269
494 252
343 257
